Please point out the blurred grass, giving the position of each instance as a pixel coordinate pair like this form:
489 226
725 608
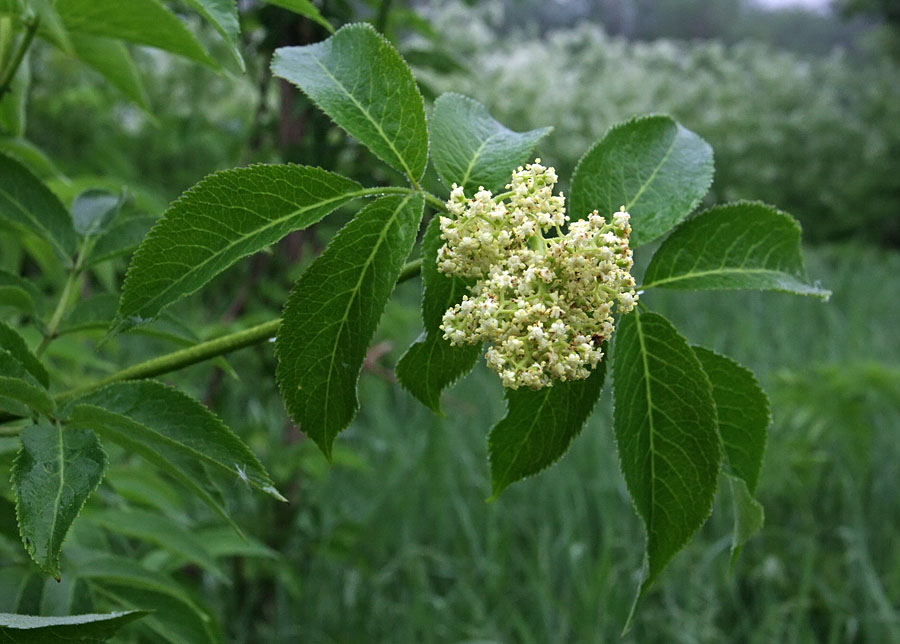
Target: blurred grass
396 543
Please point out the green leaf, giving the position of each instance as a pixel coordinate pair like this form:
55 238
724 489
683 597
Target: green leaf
93 211
122 238
111 59
18 387
31 156
26 202
333 311
15 344
665 429
471 149
144 22
740 245
743 414
358 79
227 216
651 165
91 628
14 101
431 363
171 430
223 15
20 294
161 531
749 516
539 426
54 473
303 8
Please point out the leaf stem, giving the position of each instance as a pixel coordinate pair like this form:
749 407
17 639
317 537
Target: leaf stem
65 296
9 73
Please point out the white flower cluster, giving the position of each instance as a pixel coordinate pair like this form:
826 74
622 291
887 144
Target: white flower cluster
544 303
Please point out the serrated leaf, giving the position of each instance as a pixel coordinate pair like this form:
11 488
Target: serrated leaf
539 426
93 211
12 342
143 22
26 202
303 8
749 516
20 293
472 149
740 245
160 531
651 165
333 311
431 363
223 15
90 628
165 425
54 473
665 429
227 216
111 59
358 79
743 414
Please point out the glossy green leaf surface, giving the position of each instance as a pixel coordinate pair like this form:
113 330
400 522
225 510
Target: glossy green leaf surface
470 148
431 364
11 341
26 202
87 629
651 165
54 473
227 216
165 424
358 79
665 429
741 245
539 426
143 22
111 59
303 8
333 311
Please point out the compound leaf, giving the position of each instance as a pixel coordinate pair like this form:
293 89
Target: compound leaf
472 149
358 79
227 216
26 202
539 426
665 429
333 311
740 245
54 473
651 165
87 629
431 363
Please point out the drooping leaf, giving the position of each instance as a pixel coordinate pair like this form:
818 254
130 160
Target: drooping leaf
93 211
651 165
88 629
749 516
539 426
227 216
169 428
111 59
743 414
303 8
223 15
472 149
358 79
54 473
665 429
333 311
161 531
31 156
20 293
431 364
144 22
26 202
15 344
740 245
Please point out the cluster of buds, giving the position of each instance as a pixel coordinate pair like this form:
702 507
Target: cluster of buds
543 303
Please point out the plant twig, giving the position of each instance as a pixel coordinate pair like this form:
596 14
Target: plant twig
10 72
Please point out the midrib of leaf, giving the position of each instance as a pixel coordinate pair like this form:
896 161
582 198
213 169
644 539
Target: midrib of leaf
62 478
724 271
375 123
36 221
653 174
535 416
474 158
354 293
272 224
